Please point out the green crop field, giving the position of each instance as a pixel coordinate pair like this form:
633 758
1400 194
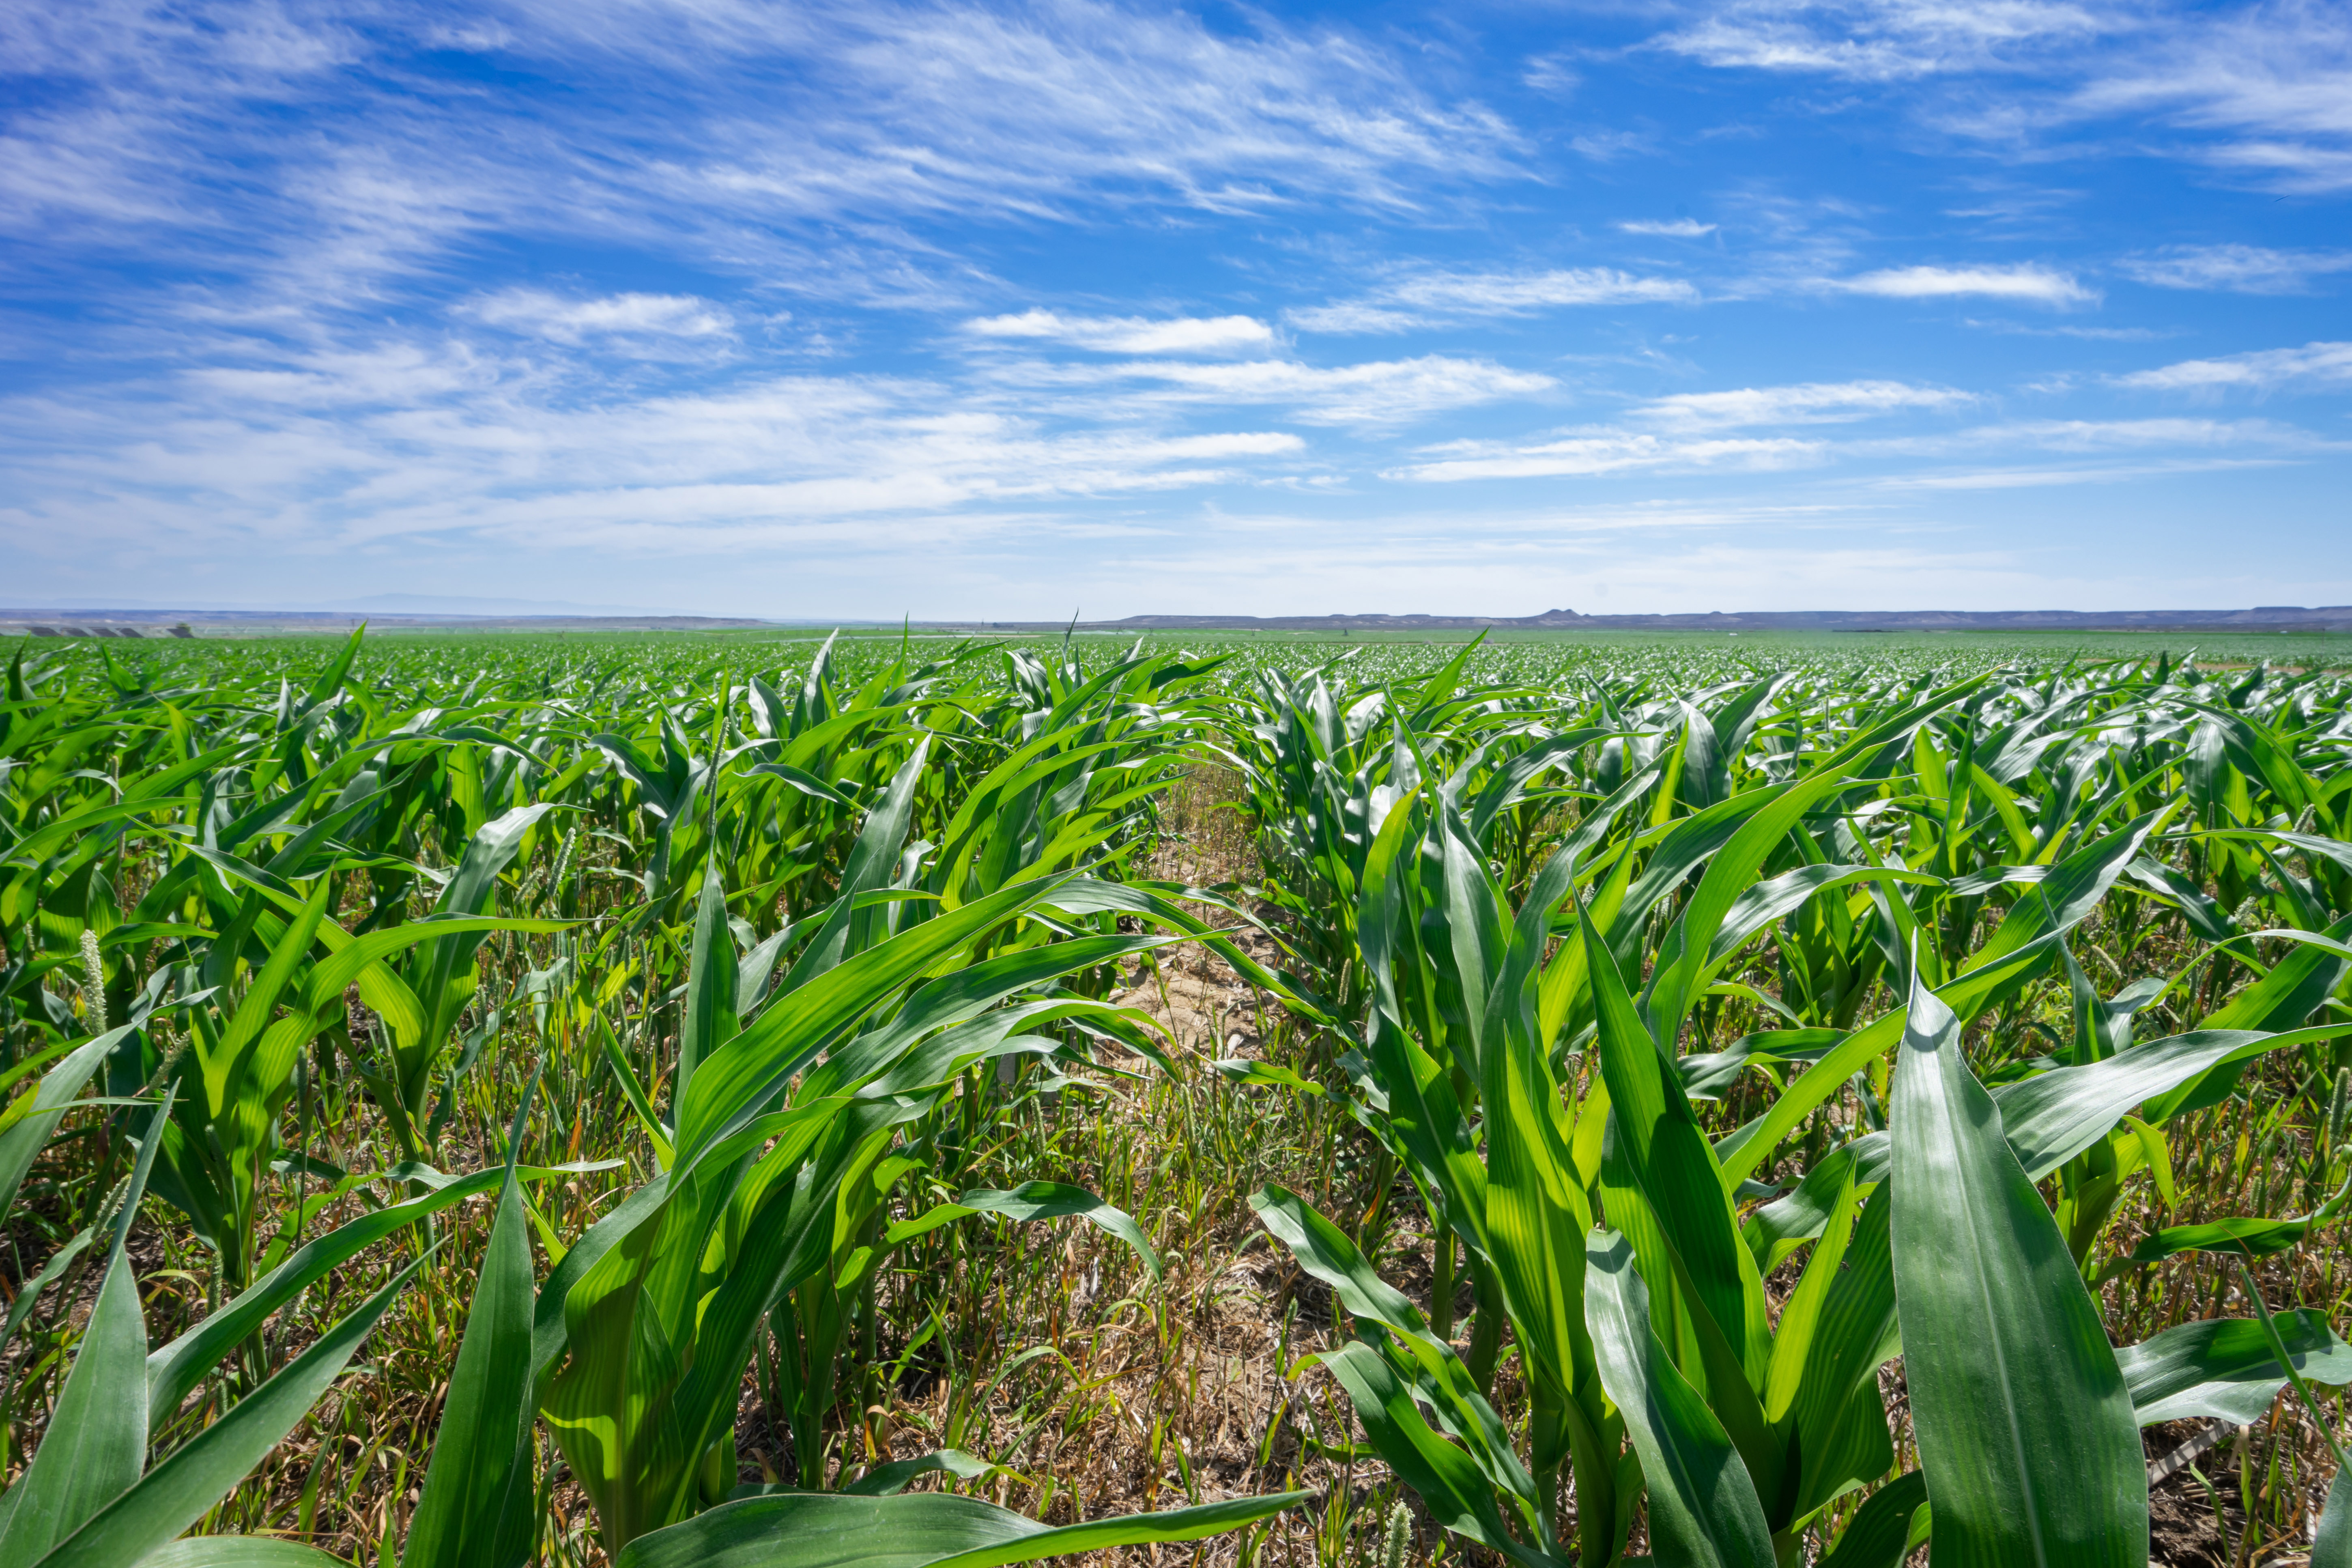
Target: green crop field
755 1098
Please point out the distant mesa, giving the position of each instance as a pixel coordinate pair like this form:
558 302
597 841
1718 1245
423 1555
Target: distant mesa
2266 617
49 621
487 614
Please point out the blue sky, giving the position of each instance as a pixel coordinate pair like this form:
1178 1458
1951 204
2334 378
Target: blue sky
857 311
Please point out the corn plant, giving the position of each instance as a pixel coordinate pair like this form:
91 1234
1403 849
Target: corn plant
1645 972
89 1497
1469 1014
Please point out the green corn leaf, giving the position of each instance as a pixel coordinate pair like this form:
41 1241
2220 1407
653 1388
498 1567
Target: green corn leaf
2296 985
652 1384
2244 1236
1536 1211
354 956
710 1019
808 783
1767 901
655 1132
730 1086
1670 1161
1422 1107
1458 1493
2054 1116
924 1530
2048 1120
237 1551
174 1369
224 1065
1324 1251
476 1505
1886 1527
1800 1317
46 840
891 1478
2066 898
2331 1541
96 1444
2025 1427
1036 1201
46 1107
871 862
1690 949
178 1493
29 1293
1836 1423
2331 1537
330 679
1704 1510
2223 1369
1745 1150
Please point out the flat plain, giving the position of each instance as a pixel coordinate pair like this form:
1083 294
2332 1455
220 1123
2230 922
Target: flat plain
745 1096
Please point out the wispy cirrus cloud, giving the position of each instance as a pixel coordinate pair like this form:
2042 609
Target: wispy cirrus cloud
2237 268
1370 394
543 285
1424 297
1684 436
1886 40
275 137
1130 334
1603 450
332 455
2314 365
2269 87
1353 318
649 325
1805 402
1692 436
2258 88
1515 293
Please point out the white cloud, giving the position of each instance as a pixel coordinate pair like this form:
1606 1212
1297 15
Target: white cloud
1607 451
1511 293
1673 229
1551 74
306 151
540 313
1353 320
2127 435
2014 478
960 107
2263 89
2272 81
1607 146
1432 296
1131 334
389 374
1380 392
2040 285
2089 334
2239 268
2116 446
2316 364
1883 40
1805 402
340 455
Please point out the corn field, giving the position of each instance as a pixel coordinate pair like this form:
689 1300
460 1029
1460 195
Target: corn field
918 1101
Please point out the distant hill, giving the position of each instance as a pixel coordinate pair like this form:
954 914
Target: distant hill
392 612
2262 617
138 621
